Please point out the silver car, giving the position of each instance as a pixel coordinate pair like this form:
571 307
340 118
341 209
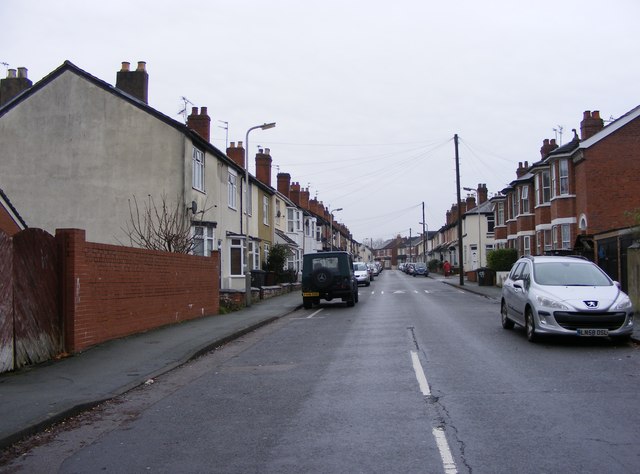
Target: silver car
564 296
361 272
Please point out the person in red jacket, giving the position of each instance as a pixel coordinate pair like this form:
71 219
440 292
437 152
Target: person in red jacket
447 268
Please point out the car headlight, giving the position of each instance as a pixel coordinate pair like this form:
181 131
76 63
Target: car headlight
550 303
623 303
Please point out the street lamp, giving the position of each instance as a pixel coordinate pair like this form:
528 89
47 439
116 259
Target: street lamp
331 227
475 191
247 273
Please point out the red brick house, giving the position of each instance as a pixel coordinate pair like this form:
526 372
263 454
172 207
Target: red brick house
578 198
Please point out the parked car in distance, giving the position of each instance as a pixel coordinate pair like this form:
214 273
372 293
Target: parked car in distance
328 275
375 269
570 296
420 269
361 271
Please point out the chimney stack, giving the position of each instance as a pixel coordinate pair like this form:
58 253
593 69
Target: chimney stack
471 202
547 147
263 166
14 84
200 122
135 83
284 184
591 124
304 198
522 169
294 193
483 193
236 153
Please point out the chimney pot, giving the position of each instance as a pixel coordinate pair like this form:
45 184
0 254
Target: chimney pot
194 110
203 111
22 72
239 144
142 66
11 73
267 151
125 66
232 145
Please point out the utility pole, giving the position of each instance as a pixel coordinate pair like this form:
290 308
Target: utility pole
455 141
424 240
410 248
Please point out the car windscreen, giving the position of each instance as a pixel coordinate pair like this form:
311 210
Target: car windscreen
570 274
360 267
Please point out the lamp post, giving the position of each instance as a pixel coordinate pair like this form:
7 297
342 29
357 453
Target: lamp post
331 227
475 191
247 272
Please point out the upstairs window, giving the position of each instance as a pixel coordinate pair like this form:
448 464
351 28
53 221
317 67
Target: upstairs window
546 187
515 204
500 213
564 176
232 188
265 210
198 170
524 199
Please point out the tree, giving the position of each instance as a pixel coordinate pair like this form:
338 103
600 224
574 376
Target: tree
165 227
276 262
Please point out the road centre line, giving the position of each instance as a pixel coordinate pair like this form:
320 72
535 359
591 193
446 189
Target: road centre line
438 433
422 378
445 453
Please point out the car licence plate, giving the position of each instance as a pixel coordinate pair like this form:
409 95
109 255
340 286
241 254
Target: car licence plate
310 293
593 332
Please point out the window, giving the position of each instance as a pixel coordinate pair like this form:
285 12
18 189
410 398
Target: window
265 210
204 238
566 236
554 181
490 223
233 190
294 223
539 237
546 187
266 249
526 245
500 213
198 170
548 243
515 204
554 231
564 176
524 199
235 257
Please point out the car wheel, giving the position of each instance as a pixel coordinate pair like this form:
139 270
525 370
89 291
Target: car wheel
367 283
530 326
307 303
356 297
506 322
351 301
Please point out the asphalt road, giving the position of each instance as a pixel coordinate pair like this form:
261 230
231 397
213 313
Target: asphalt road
417 377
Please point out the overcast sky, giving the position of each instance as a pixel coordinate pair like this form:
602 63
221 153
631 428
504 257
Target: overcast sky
367 95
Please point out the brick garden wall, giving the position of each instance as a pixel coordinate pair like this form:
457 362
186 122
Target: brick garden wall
110 291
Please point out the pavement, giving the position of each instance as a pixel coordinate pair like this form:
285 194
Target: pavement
34 398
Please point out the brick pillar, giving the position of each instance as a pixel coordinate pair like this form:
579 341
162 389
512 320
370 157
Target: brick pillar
71 244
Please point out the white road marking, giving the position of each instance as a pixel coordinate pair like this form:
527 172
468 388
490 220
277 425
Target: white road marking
415 291
438 433
427 291
445 453
422 378
313 314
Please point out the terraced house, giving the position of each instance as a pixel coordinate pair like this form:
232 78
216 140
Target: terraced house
579 198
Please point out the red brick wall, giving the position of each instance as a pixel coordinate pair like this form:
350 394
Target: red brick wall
607 180
111 291
7 224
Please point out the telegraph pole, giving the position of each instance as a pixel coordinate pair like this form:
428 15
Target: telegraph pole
424 240
455 141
